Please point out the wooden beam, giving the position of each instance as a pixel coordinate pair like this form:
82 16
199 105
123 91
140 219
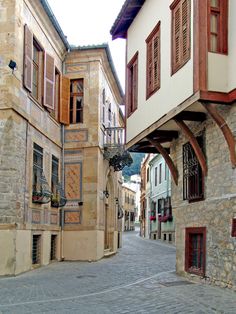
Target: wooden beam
228 135
164 133
168 160
197 149
191 116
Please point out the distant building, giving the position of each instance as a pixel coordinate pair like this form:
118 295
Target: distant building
161 219
128 206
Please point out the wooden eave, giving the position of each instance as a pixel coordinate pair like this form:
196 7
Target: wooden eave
125 18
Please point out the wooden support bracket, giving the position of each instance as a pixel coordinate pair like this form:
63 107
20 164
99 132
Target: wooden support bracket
168 160
197 149
228 135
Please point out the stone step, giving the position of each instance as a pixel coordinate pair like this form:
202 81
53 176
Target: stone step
108 253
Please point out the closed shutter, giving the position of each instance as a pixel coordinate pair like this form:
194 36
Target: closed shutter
185 29
176 37
149 68
156 61
28 58
135 85
49 79
65 101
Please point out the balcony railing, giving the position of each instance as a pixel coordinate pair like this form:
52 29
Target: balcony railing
114 148
114 137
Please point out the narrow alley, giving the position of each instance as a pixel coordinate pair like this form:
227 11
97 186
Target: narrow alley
139 279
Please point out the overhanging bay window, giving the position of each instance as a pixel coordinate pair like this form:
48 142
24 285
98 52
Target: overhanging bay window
193 179
76 100
218 26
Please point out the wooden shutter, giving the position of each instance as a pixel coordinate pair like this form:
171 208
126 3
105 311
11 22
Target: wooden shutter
149 68
28 58
135 84
156 61
65 101
185 29
176 37
49 80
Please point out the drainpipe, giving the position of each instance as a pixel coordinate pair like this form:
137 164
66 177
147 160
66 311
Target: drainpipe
63 187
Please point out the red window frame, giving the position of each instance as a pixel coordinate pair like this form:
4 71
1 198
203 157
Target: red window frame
132 86
195 255
153 61
220 12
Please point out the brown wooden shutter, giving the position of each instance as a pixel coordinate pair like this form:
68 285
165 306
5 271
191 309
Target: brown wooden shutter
28 58
156 61
49 80
185 29
149 68
233 233
135 84
176 37
65 101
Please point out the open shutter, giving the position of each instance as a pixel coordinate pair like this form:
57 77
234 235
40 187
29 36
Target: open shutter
65 101
28 58
49 79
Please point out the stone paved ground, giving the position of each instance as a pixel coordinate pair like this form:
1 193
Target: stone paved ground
139 279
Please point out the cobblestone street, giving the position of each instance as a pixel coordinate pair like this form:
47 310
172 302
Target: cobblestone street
126 283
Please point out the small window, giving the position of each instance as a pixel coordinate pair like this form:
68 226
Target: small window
160 173
233 233
193 179
180 33
37 71
195 250
153 61
76 101
37 168
155 173
132 93
170 237
53 253
218 26
147 174
55 175
36 249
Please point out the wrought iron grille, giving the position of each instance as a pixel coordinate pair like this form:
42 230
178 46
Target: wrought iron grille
36 249
192 173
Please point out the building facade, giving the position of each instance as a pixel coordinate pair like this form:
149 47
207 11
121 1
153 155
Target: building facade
181 91
161 218
128 206
58 195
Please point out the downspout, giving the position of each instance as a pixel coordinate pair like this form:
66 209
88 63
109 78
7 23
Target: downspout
63 187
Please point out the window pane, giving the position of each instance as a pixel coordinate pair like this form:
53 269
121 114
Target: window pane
214 23
215 3
214 40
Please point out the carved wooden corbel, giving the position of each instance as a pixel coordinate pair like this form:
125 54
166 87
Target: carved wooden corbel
194 143
168 160
228 135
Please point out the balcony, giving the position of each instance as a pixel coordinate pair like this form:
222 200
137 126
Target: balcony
114 148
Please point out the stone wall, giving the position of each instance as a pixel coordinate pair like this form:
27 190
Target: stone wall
218 208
